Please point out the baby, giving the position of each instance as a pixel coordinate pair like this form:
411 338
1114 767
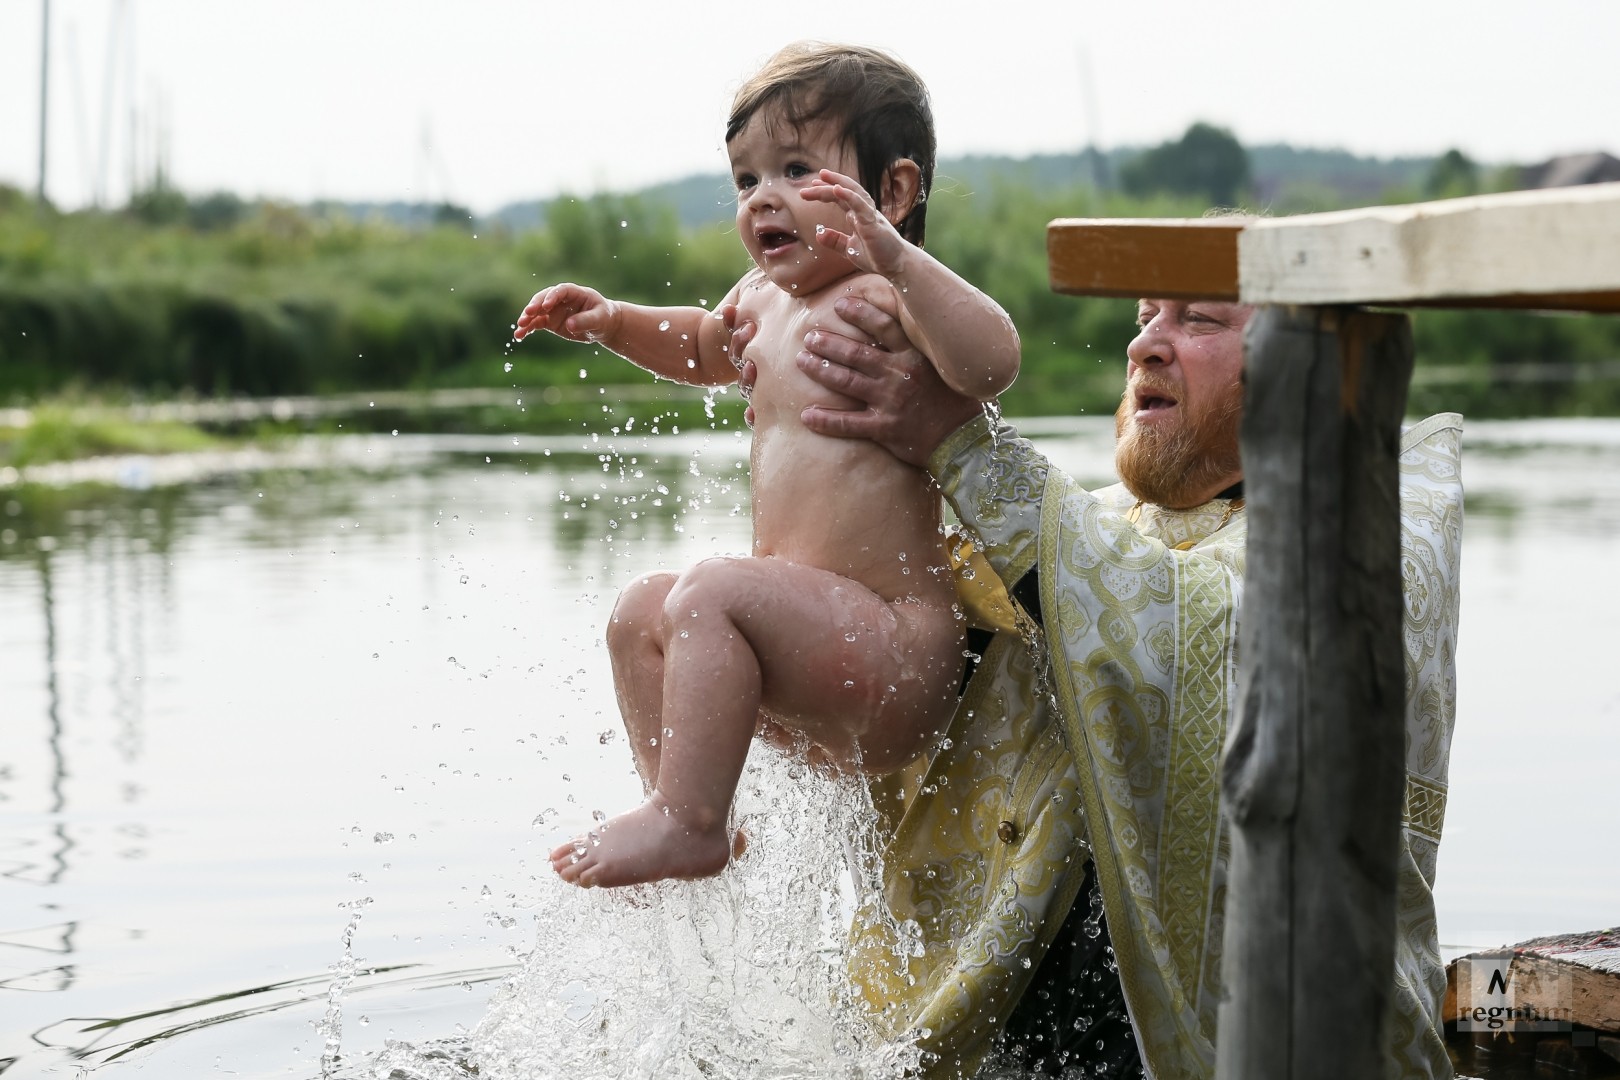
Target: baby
841 628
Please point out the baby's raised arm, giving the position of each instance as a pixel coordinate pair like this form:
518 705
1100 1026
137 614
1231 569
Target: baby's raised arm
684 344
967 335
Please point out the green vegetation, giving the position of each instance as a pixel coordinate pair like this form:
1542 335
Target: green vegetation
64 432
214 297
1207 162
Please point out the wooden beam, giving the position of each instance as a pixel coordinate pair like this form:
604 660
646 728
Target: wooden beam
1314 768
1132 257
1584 966
1552 249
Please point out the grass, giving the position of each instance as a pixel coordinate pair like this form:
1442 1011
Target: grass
66 432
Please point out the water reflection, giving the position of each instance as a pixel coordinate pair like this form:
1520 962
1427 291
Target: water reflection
217 693
176 654
98 570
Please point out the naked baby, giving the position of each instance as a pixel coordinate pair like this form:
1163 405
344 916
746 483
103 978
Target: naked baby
841 629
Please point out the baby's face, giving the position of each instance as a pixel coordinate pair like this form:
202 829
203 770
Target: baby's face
771 162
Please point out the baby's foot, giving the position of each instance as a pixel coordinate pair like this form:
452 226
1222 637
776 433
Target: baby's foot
644 844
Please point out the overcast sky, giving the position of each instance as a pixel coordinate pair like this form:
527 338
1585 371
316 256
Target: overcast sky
490 101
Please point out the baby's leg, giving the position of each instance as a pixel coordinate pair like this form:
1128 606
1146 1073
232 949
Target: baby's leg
823 654
635 640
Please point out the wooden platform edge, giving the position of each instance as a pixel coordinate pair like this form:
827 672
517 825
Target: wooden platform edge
1550 249
1165 258
1574 972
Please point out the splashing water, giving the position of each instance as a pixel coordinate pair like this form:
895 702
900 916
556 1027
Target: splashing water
330 1028
738 976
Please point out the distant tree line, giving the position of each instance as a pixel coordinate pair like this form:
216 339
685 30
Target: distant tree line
215 295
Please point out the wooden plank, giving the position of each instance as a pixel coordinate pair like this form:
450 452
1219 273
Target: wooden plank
1314 772
1584 966
1539 249
1132 257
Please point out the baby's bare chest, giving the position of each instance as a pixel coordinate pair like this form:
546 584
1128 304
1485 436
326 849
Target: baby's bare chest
781 389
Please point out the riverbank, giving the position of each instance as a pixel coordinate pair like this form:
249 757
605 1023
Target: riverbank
70 429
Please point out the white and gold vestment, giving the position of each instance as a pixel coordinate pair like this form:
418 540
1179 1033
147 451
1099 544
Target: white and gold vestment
1110 749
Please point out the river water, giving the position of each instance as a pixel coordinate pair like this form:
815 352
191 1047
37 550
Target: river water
285 737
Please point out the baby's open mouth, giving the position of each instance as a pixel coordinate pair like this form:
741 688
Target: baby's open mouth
773 240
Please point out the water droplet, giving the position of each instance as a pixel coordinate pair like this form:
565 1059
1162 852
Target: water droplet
605 738
382 838
669 733
508 366
598 816
543 816
663 324
849 635
849 684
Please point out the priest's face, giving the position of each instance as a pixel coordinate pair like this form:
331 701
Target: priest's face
1178 422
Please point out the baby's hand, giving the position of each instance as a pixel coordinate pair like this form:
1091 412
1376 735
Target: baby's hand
570 311
873 243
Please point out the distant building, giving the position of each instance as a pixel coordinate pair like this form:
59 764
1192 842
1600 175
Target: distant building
1572 169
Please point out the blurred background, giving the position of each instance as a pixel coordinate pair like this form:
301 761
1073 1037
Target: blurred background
294 198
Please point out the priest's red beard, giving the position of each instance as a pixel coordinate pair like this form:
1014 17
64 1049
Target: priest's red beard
1177 464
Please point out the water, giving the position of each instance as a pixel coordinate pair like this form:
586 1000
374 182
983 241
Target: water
253 705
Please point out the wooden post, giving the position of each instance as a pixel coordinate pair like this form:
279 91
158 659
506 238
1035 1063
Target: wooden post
1314 772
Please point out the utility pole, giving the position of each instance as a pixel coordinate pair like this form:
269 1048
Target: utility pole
44 90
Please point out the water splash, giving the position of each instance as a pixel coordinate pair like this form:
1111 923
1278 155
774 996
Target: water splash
330 1028
738 976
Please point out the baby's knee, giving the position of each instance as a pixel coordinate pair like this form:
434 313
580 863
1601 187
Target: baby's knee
639 610
705 588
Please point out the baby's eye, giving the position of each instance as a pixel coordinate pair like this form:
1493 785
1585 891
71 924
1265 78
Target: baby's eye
744 181
797 171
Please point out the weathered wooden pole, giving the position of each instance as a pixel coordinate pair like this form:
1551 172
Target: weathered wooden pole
1314 771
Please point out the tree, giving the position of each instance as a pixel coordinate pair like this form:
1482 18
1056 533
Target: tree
1207 162
1452 174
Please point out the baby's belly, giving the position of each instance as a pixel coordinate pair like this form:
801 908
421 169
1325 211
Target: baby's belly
849 507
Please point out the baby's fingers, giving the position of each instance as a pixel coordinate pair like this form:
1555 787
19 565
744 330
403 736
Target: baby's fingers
820 191
833 240
848 183
530 319
581 323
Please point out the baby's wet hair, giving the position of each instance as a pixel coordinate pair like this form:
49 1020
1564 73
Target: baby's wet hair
879 105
